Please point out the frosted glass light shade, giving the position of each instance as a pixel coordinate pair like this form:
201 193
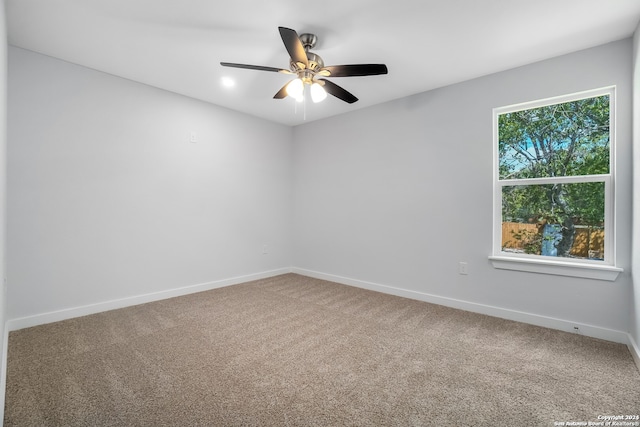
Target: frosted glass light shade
318 93
295 89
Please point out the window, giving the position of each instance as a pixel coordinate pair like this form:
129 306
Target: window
553 185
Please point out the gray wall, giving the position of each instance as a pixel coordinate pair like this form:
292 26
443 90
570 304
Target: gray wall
635 323
108 199
3 187
393 197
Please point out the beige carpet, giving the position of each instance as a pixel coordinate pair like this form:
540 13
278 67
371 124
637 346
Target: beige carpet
292 350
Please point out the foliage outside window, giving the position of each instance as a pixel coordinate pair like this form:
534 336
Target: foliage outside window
554 179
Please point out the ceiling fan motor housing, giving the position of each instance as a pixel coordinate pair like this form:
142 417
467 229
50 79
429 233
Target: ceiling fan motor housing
315 61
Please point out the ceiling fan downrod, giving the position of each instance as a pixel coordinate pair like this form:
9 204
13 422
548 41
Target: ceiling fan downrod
308 41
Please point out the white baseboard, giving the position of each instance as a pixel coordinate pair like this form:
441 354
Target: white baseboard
55 316
504 313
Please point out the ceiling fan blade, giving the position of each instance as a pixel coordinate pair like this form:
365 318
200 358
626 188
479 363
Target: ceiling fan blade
282 93
338 92
256 67
294 46
356 70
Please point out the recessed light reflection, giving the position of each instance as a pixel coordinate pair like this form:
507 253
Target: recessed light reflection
228 82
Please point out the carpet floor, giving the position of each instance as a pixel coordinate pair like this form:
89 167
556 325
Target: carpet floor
295 351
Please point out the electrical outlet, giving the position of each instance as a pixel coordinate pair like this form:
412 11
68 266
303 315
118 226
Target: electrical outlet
193 137
463 268
264 250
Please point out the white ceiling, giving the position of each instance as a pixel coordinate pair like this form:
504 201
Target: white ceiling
178 45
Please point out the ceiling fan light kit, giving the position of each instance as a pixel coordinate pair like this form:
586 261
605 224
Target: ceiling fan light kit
318 94
295 89
309 67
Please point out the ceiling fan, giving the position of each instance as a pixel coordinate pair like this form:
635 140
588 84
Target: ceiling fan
310 70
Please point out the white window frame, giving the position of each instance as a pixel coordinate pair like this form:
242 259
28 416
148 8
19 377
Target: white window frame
592 269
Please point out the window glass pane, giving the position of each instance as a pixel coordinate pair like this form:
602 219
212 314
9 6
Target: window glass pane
566 139
561 220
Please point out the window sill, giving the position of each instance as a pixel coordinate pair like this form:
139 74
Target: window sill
559 268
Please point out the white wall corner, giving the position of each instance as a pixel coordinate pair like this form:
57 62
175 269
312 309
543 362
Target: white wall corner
3 364
634 336
635 351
